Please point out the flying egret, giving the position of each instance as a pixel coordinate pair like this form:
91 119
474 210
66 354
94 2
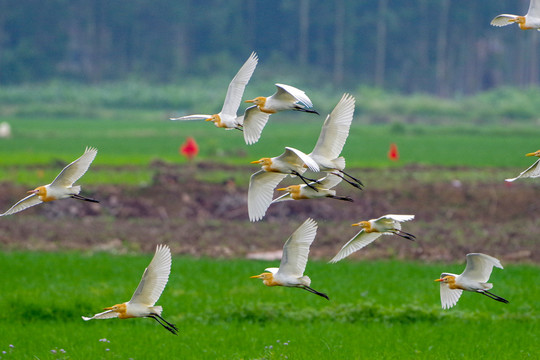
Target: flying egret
61 187
332 138
371 230
530 21
293 261
227 118
142 302
263 182
285 98
323 189
477 272
532 171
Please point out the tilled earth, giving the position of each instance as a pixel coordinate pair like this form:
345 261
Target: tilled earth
201 218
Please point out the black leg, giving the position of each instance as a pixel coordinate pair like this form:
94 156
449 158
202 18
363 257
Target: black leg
298 108
344 198
80 197
352 177
404 235
171 329
356 185
494 297
305 180
313 291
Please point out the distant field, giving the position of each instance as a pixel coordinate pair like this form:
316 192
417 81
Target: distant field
383 309
51 143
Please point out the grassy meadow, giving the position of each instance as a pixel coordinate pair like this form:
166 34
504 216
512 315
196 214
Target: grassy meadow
378 309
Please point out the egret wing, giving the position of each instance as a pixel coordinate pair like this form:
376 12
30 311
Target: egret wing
335 129
479 267
254 123
296 249
290 93
237 86
393 221
503 20
449 297
109 314
534 9
193 117
359 241
25 203
154 278
76 169
260 192
532 172
292 155
328 182
283 197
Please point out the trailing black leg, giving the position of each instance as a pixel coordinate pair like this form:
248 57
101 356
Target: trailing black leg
405 235
494 297
305 180
356 185
80 197
313 291
344 198
352 177
171 329
311 111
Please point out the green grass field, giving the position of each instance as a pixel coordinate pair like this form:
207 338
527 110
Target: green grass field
383 309
139 142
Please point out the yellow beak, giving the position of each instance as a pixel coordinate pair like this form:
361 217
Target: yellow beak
356 224
282 189
439 280
209 119
250 101
32 192
107 308
255 276
532 154
256 162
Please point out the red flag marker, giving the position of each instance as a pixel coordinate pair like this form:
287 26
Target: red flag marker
189 149
393 153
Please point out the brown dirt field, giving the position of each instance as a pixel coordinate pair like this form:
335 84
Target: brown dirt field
210 219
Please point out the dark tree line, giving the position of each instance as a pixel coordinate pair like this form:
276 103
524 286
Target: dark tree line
437 46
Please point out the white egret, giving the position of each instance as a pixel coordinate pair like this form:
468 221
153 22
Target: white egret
153 282
319 189
274 170
62 186
371 230
474 278
227 118
293 262
530 21
332 138
532 171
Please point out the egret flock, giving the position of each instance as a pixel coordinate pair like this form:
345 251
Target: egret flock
324 158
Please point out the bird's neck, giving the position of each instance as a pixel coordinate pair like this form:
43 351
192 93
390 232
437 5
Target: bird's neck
270 281
43 196
451 281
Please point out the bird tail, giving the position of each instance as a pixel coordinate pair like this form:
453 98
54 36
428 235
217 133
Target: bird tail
157 309
75 189
339 162
305 280
487 286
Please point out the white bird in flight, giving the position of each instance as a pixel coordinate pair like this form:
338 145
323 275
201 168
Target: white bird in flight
532 171
62 186
227 117
285 98
153 281
474 278
321 188
530 21
293 261
371 230
274 170
332 138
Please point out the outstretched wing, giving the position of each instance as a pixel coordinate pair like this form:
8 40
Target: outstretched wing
296 249
290 93
260 192
393 221
449 297
154 278
534 9
291 155
532 172
193 117
254 122
359 241
503 20
479 267
237 86
335 129
76 169
109 314
25 203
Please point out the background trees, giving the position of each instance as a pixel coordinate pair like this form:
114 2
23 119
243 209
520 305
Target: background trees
441 47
